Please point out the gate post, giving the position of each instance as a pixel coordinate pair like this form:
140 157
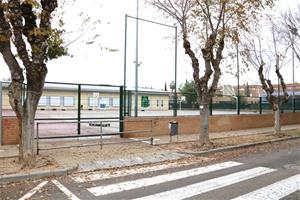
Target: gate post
294 104
238 105
78 108
210 107
121 116
260 105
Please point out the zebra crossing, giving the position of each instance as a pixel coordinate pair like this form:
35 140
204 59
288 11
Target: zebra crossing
127 187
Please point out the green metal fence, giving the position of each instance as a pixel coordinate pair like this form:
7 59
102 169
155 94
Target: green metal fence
74 102
224 104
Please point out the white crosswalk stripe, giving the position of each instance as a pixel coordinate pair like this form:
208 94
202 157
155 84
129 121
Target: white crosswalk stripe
274 191
96 176
33 191
129 185
66 191
209 185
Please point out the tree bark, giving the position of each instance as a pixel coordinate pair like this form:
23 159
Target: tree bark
204 136
27 145
277 125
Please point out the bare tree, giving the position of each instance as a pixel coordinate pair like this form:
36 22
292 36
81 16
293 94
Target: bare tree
291 30
26 27
205 25
265 61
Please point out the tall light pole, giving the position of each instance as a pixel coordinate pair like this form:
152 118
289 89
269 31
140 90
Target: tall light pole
136 60
293 87
294 32
137 64
238 79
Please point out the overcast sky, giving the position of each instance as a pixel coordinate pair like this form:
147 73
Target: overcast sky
92 63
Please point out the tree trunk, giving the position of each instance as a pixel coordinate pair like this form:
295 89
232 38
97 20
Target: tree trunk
27 153
277 126
204 136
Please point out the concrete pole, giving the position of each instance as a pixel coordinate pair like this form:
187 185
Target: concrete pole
238 79
293 89
0 113
136 60
125 65
175 78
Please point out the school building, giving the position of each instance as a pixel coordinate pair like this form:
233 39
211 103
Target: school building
65 97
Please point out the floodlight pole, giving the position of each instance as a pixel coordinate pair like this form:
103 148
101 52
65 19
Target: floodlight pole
238 79
294 33
136 60
175 91
138 64
125 64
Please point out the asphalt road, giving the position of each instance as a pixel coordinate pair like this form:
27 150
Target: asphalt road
272 174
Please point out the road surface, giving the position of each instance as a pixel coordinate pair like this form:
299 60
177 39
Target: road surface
272 174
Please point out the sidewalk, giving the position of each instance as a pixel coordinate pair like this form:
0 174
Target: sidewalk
64 161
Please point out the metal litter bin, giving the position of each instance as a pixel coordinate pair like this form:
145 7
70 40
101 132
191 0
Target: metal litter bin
173 128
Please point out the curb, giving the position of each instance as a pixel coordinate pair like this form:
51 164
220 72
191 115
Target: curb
35 175
230 148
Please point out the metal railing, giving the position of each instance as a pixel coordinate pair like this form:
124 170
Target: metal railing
101 134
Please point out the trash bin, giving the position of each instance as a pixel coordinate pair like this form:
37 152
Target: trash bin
173 128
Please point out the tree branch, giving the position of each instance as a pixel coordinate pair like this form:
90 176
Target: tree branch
14 67
16 20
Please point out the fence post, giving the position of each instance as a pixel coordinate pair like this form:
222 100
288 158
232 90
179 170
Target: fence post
238 105
37 139
260 105
129 100
210 107
101 135
294 104
0 113
121 116
78 109
124 102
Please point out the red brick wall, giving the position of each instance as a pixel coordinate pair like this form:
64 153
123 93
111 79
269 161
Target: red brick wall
10 131
217 123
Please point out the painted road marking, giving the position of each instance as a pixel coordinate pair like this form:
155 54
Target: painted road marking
274 191
209 185
125 172
129 185
65 190
33 191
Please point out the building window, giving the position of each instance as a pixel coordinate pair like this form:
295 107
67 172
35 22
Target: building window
55 101
116 102
43 101
162 103
157 103
104 102
69 101
93 102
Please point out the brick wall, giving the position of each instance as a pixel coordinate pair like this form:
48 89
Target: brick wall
217 123
10 130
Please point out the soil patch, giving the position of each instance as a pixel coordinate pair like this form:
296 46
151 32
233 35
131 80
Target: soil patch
12 165
195 146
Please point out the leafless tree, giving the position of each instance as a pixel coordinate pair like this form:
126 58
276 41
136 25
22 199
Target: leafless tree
267 56
291 30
